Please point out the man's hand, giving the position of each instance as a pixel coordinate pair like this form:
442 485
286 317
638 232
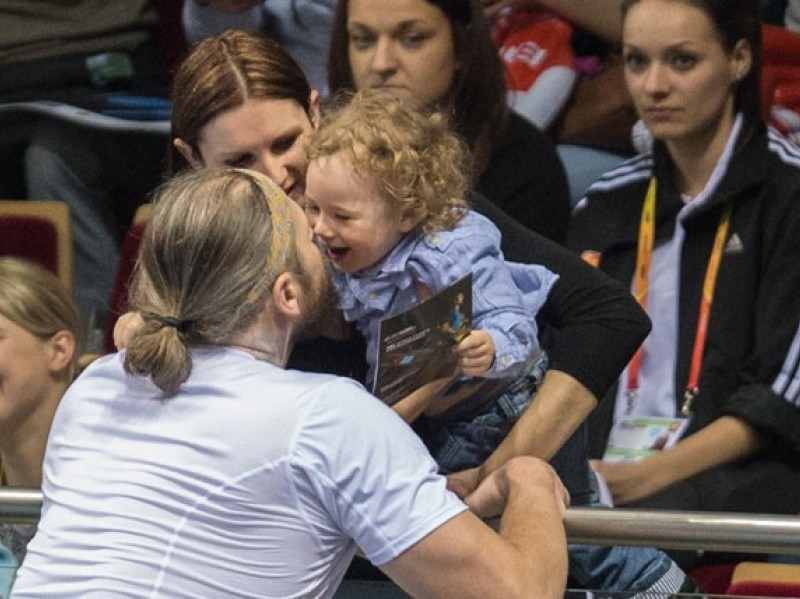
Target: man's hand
475 353
127 326
463 483
489 499
527 557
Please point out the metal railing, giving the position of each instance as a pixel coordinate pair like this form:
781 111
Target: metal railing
20 506
708 531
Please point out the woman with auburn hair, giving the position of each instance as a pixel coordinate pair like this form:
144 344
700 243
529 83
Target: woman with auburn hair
248 79
240 100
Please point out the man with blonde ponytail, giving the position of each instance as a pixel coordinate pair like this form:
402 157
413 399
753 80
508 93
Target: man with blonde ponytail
193 464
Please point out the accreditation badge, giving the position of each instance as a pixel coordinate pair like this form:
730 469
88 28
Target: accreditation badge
635 438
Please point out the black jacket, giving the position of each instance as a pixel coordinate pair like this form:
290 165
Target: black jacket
526 179
751 366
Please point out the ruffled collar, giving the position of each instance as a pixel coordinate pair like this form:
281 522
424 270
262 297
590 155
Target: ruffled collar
373 288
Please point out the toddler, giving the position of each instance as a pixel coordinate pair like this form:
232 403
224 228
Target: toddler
385 197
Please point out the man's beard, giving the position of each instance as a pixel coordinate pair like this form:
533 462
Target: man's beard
320 304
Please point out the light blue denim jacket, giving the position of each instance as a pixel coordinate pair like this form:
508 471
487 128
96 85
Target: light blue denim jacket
505 295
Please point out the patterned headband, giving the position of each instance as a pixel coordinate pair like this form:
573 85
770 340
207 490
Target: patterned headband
282 236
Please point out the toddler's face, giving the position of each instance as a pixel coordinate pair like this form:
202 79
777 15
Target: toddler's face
354 223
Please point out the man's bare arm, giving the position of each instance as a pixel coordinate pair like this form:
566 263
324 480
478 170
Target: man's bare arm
465 558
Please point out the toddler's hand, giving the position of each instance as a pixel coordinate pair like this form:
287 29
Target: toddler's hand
475 353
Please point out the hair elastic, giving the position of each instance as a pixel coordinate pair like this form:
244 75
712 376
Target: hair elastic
182 326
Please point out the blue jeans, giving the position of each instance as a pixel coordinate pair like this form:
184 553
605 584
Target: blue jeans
8 569
789 558
608 571
463 444
621 568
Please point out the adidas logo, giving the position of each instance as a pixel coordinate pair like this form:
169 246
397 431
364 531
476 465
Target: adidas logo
734 245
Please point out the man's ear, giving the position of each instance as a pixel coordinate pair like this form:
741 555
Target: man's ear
286 295
61 347
187 152
313 103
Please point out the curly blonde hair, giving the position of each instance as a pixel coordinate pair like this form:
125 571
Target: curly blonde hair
414 159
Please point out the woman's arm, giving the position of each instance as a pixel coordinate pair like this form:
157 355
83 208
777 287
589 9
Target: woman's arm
600 17
593 326
727 439
590 325
561 405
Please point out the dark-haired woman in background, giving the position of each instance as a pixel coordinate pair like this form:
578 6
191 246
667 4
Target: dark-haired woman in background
706 230
440 54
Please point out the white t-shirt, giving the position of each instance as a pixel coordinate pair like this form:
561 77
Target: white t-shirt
252 481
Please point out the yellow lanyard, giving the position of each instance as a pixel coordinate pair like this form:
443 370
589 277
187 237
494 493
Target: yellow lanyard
644 253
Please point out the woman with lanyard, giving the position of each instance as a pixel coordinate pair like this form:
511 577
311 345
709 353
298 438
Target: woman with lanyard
706 231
